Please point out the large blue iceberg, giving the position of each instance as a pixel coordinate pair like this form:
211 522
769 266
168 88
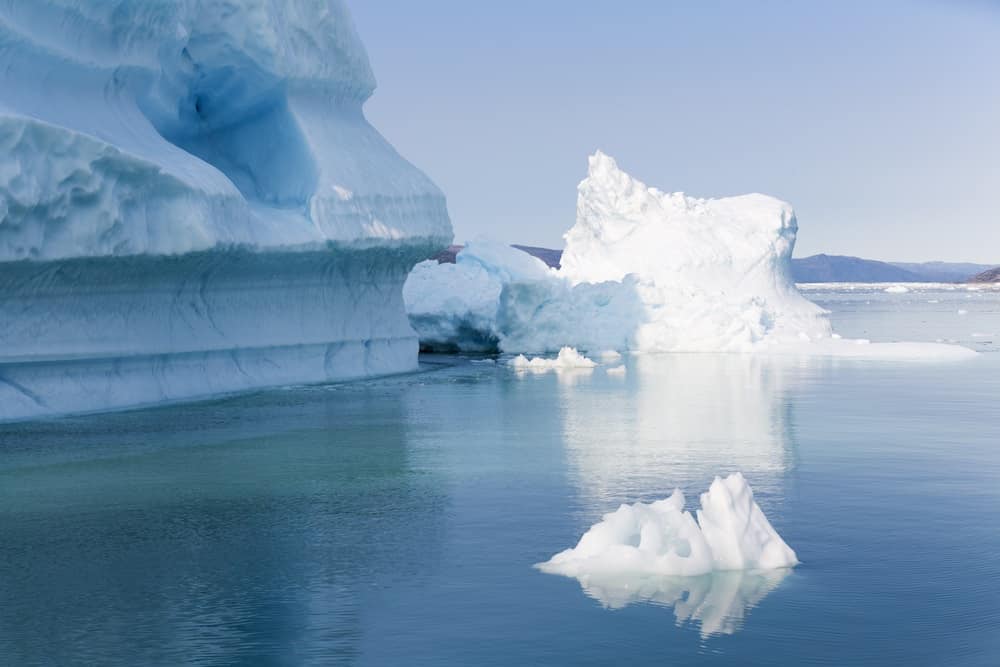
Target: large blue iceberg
192 203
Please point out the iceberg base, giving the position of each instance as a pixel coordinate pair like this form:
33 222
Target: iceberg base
101 334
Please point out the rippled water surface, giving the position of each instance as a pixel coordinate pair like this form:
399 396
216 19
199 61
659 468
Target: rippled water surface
397 521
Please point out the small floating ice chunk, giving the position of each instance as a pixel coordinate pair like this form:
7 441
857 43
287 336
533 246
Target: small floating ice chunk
609 355
568 358
617 370
963 311
662 539
897 289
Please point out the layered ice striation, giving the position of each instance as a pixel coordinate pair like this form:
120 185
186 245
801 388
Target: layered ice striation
651 271
192 203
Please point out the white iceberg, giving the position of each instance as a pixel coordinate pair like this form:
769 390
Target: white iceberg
662 539
192 203
648 271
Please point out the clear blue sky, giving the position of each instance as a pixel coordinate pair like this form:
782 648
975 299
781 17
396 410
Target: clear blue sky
879 121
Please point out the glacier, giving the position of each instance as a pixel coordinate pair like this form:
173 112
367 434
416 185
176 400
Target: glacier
645 271
192 203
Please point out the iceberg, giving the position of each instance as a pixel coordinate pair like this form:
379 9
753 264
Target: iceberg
662 539
649 271
710 570
192 203
453 307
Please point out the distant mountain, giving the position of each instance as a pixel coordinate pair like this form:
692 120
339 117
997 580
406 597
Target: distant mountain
447 256
988 276
828 268
840 269
547 255
943 272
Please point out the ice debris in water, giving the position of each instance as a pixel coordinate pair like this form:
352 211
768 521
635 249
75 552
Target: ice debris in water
897 289
617 370
662 539
568 358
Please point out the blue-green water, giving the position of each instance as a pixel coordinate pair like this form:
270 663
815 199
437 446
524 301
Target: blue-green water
397 521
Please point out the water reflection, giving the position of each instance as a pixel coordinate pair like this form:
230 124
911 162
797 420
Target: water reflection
717 603
682 420
243 531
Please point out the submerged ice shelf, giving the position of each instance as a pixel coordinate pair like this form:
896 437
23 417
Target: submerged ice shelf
192 203
642 270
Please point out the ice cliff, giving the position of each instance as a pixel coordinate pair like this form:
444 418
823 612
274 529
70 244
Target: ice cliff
650 271
192 203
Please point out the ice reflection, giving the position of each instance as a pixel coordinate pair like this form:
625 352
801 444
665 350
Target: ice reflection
717 603
681 420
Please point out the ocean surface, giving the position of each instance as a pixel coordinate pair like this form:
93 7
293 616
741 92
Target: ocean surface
396 521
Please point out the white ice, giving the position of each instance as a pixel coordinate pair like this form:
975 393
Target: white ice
662 539
454 306
648 271
568 359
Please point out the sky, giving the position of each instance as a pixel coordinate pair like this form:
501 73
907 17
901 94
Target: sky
878 121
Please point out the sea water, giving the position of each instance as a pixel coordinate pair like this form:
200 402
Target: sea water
397 521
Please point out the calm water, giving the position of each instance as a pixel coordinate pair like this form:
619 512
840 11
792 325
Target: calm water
396 521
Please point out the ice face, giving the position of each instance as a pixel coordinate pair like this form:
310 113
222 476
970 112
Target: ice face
192 203
172 126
